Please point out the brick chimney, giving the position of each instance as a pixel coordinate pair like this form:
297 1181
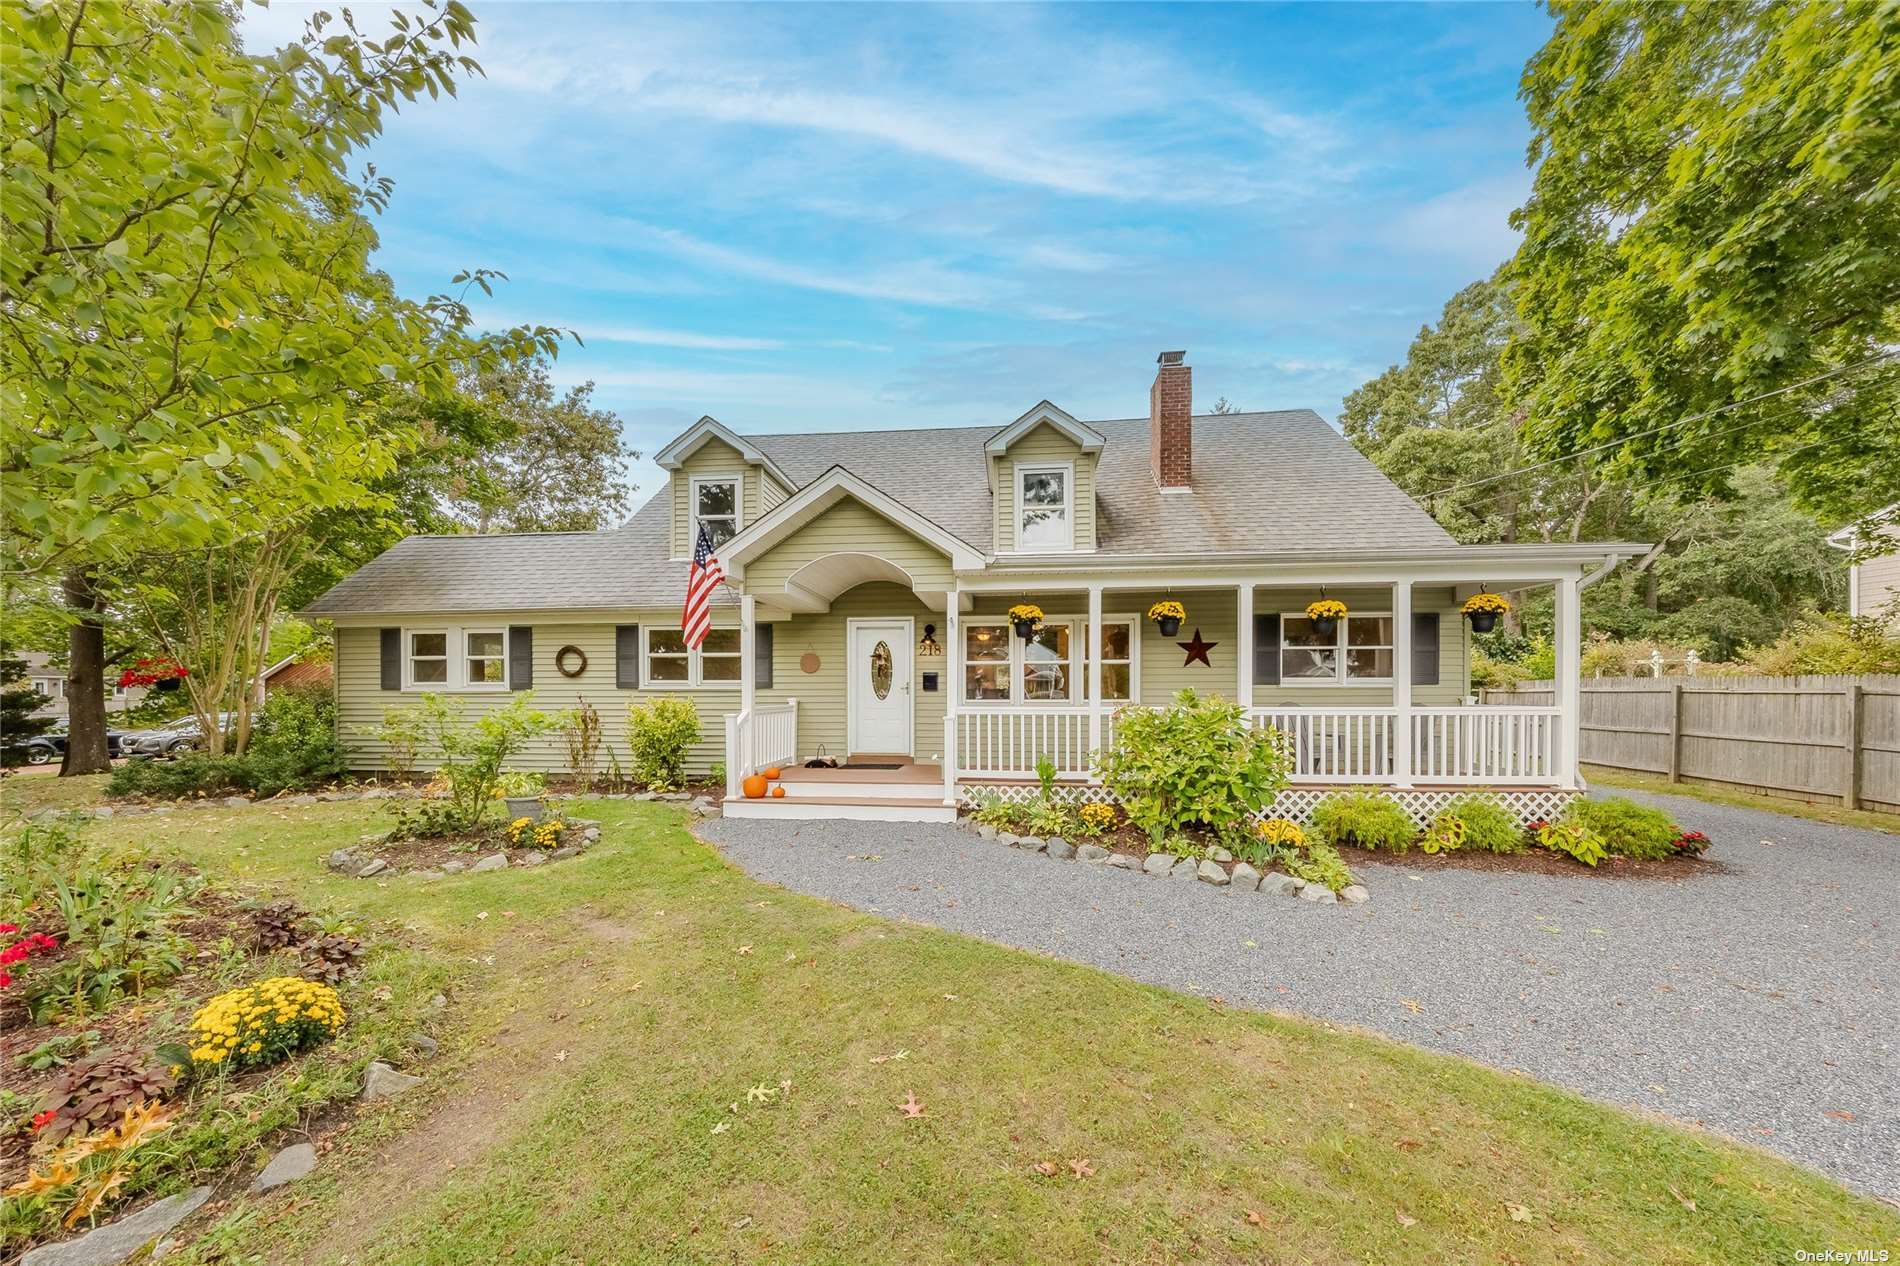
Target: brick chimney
1171 421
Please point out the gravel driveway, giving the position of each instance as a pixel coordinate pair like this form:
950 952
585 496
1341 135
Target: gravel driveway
1763 1002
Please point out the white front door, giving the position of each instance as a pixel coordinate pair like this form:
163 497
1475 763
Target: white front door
878 673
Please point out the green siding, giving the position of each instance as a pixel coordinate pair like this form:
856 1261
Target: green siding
771 492
715 457
1043 444
848 527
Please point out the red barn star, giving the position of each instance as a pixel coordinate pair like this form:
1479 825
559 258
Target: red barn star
1197 649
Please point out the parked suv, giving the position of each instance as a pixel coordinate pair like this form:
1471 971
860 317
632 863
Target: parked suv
180 736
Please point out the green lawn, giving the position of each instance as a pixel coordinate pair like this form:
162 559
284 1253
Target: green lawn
1624 780
609 1015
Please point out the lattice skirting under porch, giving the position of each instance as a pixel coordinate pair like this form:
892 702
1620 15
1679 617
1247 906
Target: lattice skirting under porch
1297 803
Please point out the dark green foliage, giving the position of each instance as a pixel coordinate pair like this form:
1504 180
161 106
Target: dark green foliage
1628 829
1488 827
1318 863
1365 819
94 1094
1197 761
17 705
293 747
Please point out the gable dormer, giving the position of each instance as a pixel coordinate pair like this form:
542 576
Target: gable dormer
720 478
1042 483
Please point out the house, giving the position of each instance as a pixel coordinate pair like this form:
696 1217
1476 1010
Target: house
44 676
870 576
300 670
1873 579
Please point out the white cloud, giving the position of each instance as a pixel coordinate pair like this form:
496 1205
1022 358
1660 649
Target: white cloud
592 332
1470 225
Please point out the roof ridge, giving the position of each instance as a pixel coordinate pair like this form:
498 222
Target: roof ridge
991 430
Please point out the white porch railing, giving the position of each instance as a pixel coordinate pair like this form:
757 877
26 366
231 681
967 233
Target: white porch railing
1007 742
1335 744
1485 745
759 739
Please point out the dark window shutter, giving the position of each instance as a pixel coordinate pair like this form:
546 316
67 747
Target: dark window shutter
520 657
1425 648
1266 650
392 659
627 656
762 656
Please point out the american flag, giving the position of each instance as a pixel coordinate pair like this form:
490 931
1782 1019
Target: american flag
702 578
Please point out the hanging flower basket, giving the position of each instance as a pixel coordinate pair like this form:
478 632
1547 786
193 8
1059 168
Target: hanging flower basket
1326 615
1027 617
163 673
1483 610
1167 616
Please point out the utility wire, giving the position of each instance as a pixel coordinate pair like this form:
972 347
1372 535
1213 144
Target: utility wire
1695 417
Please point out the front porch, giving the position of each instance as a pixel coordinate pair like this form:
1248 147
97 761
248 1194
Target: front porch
1382 702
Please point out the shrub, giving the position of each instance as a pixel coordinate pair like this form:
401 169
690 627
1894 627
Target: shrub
263 1023
293 746
1572 839
401 735
527 833
1196 761
580 730
1626 828
1096 818
1445 833
471 756
520 784
659 733
992 810
1364 818
1489 826
1318 863
94 1093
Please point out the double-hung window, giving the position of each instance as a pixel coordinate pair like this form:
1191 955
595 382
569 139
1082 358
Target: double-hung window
671 665
1359 649
1044 520
1048 668
986 659
485 658
455 659
428 658
715 508
1116 645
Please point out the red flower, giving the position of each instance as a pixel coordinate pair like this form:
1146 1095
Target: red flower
8 929
40 1119
6 978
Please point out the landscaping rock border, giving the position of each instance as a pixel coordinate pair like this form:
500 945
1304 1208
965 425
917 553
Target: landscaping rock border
1218 869
360 862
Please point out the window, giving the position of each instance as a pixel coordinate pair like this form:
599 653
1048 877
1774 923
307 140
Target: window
51 687
1358 649
1050 668
429 659
1047 670
716 508
486 658
1117 649
670 665
986 656
1042 508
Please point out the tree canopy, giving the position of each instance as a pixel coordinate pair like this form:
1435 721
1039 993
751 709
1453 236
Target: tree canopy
1708 274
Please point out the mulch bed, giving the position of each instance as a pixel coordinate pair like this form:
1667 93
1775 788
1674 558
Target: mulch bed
1540 861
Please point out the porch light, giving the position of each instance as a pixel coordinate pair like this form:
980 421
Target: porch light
930 647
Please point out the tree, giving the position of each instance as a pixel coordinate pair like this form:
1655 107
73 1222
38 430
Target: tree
1708 273
17 705
195 340
1223 405
557 464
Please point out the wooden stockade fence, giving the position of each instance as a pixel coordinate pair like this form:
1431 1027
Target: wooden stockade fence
1808 738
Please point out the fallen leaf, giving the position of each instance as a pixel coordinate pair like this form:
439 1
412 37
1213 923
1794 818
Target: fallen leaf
1412 1004
1519 1213
481 914
1409 1145
910 1107
560 1057
791 956
761 1093
1081 1168
1683 1200
949 997
745 949
1839 1114
722 1127
1048 1169
1254 1218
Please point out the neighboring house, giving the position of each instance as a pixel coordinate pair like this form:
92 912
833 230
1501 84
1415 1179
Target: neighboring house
1873 582
869 577
294 670
50 681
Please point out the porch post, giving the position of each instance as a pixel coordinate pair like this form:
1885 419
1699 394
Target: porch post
952 680
1092 648
1243 682
739 762
1402 682
1569 678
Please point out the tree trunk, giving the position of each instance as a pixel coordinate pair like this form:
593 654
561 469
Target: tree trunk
85 678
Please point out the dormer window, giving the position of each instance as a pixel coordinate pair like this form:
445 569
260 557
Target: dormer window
1045 520
716 508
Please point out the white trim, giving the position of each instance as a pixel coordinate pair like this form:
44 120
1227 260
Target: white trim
737 480
813 808
695 661
483 687
1340 677
688 442
1080 634
852 688
1088 439
820 495
455 659
1020 471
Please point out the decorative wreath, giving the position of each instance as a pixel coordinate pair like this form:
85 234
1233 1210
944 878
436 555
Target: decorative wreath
1167 610
1480 602
1026 611
565 661
1326 609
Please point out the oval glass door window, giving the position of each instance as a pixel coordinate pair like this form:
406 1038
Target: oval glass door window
881 670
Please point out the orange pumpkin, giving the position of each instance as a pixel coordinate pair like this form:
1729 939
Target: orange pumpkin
754 786
773 772
778 792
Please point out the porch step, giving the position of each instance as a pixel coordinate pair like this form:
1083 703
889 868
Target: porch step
909 782
806 808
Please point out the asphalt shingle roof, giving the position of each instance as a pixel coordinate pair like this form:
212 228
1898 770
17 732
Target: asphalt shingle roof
1271 483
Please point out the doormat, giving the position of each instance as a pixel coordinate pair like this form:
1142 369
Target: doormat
856 764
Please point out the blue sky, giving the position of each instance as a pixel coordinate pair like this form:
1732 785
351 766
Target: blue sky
826 218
